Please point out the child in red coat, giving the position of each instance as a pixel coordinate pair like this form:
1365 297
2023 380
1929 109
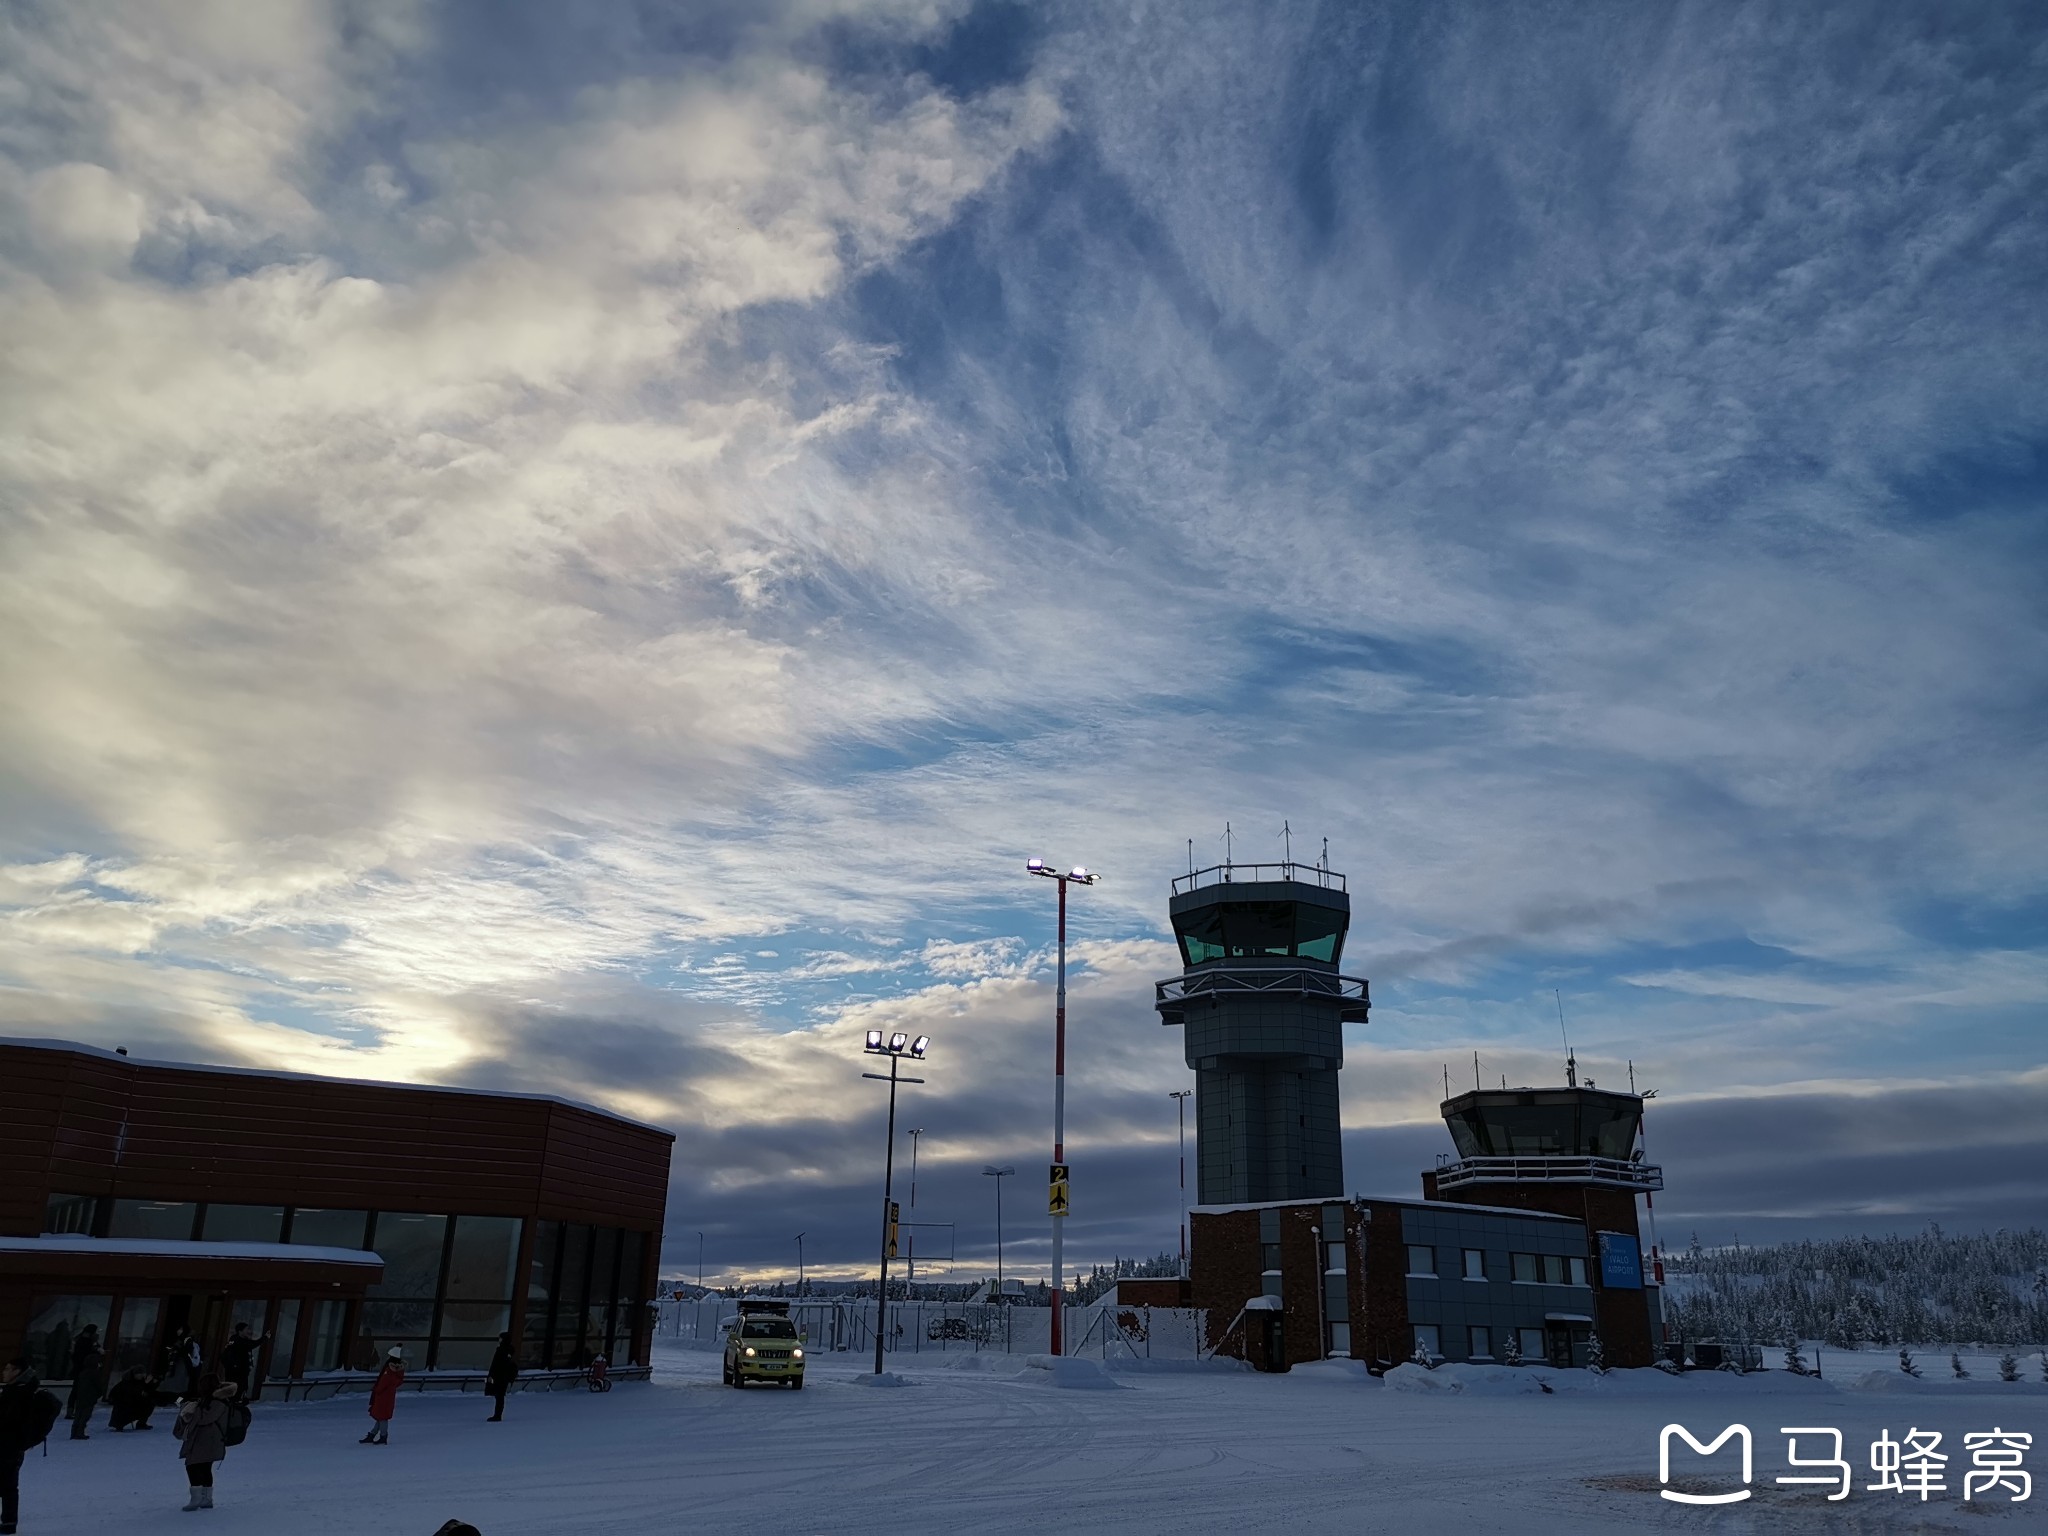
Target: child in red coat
384 1397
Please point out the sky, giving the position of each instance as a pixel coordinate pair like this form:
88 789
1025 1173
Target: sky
579 549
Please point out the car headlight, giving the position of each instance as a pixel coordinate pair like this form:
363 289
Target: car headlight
750 1351
796 1354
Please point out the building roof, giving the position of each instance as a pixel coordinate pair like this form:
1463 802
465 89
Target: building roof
1429 1205
75 1048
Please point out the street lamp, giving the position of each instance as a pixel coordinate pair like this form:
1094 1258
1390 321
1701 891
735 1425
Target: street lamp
896 1047
1077 876
800 1263
700 1261
998 1174
910 1276
1180 1097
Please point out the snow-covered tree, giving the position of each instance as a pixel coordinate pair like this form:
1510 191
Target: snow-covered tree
2008 1366
1795 1362
1596 1355
1955 1363
1900 1290
1511 1348
1422 1356
1906 1361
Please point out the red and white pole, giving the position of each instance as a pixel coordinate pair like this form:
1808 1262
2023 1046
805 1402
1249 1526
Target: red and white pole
1059 1117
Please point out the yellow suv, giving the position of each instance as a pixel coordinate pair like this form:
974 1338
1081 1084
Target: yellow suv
763 1346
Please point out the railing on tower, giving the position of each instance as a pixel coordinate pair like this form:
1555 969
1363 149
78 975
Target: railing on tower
1232 874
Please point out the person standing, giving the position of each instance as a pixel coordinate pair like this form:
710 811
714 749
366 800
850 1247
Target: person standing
203 1438
504 1369
238 1358
88 1380
181 1367
384 1397
26 1414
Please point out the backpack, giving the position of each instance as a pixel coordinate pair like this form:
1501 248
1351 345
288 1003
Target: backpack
234 1428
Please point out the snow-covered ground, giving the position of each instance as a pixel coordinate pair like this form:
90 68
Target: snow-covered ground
990 1443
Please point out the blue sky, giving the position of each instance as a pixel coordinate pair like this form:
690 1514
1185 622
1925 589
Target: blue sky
580 548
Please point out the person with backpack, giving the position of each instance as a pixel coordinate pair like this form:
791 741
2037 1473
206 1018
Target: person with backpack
498 1381
384 1397
180 1373
238 1359
88 1380
27 1415
207 1425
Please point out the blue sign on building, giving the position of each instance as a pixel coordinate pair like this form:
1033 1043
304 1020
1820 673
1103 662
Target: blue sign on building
1621 1262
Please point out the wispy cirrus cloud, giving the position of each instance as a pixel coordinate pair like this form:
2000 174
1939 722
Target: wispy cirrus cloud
504 523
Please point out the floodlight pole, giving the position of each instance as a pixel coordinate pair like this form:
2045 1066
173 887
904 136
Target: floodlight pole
910 1274
894 1051
700 1261
1182 1099
1059 1081
990 1171
888 1187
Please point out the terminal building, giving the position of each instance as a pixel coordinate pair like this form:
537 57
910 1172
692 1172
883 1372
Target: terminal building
339 1218
1524 1245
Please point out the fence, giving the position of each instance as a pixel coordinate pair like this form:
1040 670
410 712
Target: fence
953 1327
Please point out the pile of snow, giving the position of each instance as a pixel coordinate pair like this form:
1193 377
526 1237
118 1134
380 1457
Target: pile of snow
1177 1366
1075 1375
1473 1380
883 1379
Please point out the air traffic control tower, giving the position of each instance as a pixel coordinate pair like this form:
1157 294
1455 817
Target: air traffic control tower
1262 1008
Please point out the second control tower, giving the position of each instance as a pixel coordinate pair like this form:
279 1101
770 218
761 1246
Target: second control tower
1263 1008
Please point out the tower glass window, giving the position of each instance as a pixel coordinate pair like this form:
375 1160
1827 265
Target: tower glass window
1242 930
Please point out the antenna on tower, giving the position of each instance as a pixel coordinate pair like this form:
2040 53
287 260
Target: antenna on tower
1475 1071
1287 842
1191 856
1226 846
1447 1079
1571 1062
1324 864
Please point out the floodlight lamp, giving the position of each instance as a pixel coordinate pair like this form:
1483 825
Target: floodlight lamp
897 1042
874 1039
1077 873
1036 866
919 1045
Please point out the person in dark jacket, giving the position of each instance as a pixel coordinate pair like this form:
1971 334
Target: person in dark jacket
21 1428
202 1433
134 1400
498 1381
238 1357
384 1397
180 1373
88 1380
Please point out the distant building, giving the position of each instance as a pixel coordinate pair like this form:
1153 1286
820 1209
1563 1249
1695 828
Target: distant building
340 1218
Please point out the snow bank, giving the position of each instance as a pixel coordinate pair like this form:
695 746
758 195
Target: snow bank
1075 1375
1474 1380
987 1362
885 1379
1173 1365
